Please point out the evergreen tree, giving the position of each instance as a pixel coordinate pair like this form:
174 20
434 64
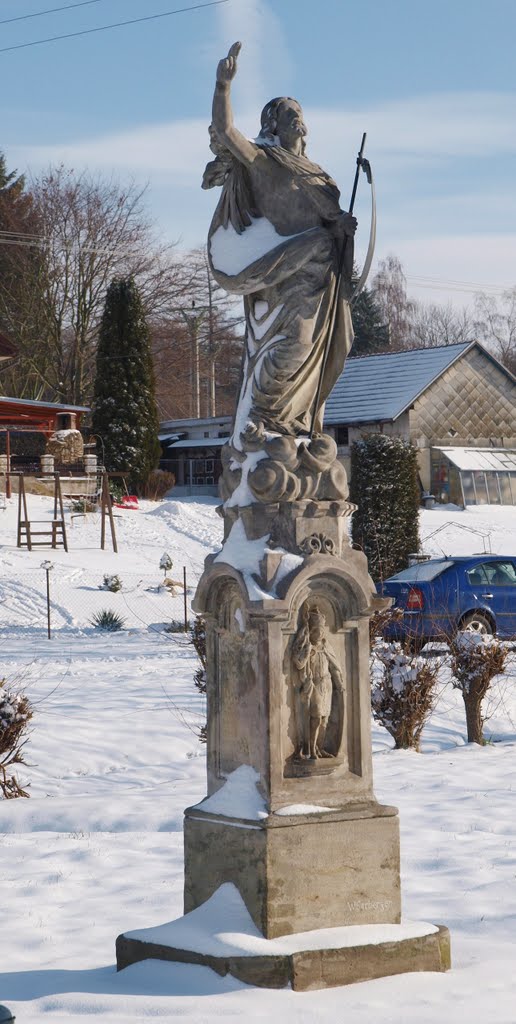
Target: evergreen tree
125 416
19 268
371 331
384 484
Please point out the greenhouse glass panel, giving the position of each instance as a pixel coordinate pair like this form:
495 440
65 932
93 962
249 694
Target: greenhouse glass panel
469 490
505 488
492 488
479 480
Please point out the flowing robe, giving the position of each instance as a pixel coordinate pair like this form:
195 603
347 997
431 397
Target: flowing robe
270 241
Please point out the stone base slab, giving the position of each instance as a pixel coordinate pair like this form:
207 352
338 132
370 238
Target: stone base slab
220 935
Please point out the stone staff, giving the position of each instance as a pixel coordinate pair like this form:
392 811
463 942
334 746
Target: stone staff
366 167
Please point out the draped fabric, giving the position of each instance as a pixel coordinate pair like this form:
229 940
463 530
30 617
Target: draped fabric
289 290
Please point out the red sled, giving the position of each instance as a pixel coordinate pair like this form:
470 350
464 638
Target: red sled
128 501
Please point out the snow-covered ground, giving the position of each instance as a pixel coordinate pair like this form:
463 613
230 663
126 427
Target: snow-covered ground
114 758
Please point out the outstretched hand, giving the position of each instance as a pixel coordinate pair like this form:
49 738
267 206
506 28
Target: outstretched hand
227 67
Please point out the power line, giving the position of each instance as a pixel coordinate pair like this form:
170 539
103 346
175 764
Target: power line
51 10
116 24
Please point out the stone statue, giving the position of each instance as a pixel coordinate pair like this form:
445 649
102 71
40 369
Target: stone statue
318 674
278 238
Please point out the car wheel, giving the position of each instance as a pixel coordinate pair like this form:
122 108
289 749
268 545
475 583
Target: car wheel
476 622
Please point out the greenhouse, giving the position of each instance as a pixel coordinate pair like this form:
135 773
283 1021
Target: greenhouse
474 476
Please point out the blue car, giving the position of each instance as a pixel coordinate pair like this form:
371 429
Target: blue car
442 595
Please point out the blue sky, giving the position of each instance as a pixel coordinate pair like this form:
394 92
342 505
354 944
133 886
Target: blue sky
433 85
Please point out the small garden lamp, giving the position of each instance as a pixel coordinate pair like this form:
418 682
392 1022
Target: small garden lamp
47 566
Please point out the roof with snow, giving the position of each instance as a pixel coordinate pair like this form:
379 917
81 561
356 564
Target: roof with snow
381 387
501 460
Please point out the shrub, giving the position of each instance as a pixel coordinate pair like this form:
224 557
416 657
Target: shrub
384 486
198 639
475 661
158 483
82 505
15 715
165 563
112 583
379 621
108 620
403 693
178 626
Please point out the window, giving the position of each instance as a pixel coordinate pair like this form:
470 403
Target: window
477 577
503 574
492 488
496 574
479 480
342 436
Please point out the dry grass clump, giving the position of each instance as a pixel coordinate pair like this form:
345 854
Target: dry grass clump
15 715
158 483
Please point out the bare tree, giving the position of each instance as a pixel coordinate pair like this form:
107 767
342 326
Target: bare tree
196 346
496 325
389 290
433 324
86 231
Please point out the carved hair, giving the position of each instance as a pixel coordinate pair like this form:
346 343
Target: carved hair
269 120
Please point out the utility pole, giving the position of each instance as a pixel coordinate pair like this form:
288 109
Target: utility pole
193 321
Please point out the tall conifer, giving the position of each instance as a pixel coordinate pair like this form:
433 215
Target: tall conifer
125 416
371 331
385 486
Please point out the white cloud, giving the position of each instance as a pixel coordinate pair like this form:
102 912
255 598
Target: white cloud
439 126
442 164
264 61
427 129
480 261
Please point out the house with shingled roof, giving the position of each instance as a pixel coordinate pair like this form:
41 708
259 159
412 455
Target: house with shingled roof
451 397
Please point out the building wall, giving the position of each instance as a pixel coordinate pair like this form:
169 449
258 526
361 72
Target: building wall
472 404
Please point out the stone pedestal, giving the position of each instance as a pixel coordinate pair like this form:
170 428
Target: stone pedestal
290 819
324 853
299 872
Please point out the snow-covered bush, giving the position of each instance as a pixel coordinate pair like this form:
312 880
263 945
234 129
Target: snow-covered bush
403 692
475 660
110 621
15 715
165 563
111 582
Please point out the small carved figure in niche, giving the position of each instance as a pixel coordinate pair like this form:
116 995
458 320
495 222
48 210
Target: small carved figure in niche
319 674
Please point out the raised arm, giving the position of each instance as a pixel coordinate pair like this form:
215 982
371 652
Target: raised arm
222 115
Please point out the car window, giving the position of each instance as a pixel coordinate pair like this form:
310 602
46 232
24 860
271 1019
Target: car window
477 576
423 571
495 574
503 574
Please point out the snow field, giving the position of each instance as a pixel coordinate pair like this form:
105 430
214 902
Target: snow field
113 759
